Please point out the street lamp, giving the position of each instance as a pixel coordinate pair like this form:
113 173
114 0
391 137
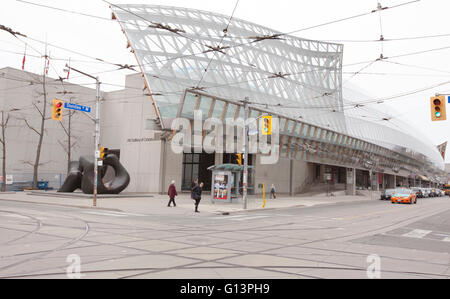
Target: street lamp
97 128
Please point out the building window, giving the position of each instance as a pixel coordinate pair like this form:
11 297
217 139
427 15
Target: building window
191 164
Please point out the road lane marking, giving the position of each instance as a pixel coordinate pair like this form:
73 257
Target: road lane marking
447 239
417 233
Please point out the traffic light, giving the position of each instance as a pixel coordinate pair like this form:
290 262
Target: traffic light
103 152
239 159
438 108
267 125
57 109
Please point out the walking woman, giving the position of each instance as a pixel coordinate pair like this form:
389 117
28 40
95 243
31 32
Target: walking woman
172 193
197 195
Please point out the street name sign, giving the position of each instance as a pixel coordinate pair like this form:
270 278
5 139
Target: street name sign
77 107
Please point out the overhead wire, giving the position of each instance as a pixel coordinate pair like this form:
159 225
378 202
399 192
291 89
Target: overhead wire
225 31
360 72
194 54
386 39
297 31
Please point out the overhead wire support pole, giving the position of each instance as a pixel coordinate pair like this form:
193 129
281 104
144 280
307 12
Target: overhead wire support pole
96 132
97 140
245 174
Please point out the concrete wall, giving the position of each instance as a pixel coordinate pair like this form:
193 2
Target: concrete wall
111 119
303 173
141 151
280 175
143 163
173 169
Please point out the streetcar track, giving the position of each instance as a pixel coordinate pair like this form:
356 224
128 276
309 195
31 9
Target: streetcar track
187 228
36 229
38 256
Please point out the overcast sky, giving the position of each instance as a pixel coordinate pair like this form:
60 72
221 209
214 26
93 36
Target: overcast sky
103 39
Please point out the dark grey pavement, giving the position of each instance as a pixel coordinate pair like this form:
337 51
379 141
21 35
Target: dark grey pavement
324 241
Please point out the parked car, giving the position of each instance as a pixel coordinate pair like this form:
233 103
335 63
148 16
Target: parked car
404 195
386 194
418 191
436 192
426 192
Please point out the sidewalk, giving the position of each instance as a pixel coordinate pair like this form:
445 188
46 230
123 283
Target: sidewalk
157 204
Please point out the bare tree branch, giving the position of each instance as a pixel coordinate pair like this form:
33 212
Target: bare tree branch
63 146
31 128
35 106
64 128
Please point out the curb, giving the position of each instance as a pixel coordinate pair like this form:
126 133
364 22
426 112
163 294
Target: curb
87 196
226 213
62 205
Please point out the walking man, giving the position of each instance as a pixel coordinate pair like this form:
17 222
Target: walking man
197 195
194 183
172 193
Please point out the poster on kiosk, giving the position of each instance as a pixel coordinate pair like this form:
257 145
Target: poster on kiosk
220 187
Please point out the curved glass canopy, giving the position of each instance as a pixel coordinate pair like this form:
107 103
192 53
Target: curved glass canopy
181 49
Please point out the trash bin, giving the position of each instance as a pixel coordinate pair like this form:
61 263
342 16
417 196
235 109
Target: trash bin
42 185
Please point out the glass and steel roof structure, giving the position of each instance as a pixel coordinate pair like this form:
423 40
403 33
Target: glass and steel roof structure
299 80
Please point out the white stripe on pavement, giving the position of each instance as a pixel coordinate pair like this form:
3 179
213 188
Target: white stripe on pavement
417 233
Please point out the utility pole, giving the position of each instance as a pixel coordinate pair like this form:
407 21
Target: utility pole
97 129
245 174
41 131
97 138
3 142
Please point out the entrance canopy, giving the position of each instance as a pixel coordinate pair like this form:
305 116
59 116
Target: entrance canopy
229 167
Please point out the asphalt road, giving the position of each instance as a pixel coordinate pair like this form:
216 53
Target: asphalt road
328 241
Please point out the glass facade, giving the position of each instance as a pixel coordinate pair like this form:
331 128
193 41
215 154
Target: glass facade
297 80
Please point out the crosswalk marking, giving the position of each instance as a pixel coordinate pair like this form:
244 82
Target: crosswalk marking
417 233
422 234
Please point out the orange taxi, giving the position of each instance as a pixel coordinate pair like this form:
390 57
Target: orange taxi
404 195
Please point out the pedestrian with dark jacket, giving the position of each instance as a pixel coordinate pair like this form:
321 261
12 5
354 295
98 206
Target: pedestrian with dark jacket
172 193
273 193
194 183
197 195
